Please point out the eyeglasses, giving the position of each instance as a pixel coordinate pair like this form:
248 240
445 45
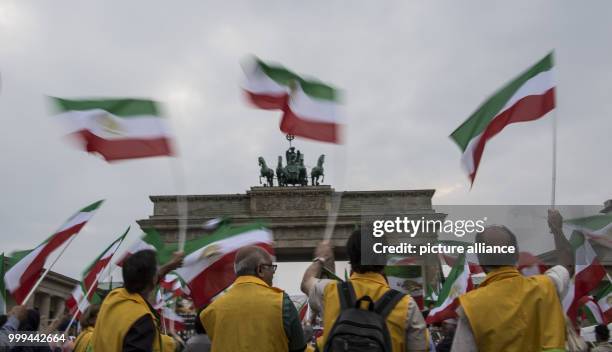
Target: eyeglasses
271 266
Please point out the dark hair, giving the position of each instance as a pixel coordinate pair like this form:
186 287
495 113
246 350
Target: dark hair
498 259
31 322
3 319
353 250
139 271
89 316
602 333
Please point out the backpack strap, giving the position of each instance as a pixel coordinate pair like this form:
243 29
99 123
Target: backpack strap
387 302
346 294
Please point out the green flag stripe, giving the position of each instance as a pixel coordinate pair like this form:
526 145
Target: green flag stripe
92 206
456 271
120 238
594 222
118 107
576 240
479 120
313 88
604 291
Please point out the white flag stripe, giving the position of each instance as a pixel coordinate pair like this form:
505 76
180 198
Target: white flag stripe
536 85
313 109
258 82
109 126
13 276
458 288
77 219
196 262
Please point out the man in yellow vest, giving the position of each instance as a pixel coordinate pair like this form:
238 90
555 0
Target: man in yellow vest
511 312
405 322
87 321
127 321
252 315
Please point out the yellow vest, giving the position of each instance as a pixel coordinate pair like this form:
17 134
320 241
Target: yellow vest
168 343
119 311
510 312
375 286
83 340
249 317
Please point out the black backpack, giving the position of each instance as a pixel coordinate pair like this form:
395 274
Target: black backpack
361 330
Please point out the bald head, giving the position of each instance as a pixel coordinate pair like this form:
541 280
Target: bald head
249 258
497 235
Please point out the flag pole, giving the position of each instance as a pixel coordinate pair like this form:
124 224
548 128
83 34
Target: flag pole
554 159
94 284
181 203
110 271
47 271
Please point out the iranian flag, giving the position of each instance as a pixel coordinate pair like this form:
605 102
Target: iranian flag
116 128
164 304
404 275
76 301
596 227
526 98
310 107
588 273
604 300
592 311
150 240
22 276
174 283
208 269
457 283
92 274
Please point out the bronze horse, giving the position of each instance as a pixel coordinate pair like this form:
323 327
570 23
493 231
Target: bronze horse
266 172
318 171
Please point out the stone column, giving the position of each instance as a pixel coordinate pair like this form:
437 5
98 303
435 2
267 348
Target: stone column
45 304
59 307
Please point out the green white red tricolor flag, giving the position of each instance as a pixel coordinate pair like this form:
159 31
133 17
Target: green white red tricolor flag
208 268
596 227
526 98
116 128
604 300
591 310
165 305
311 108
91 277
458 282
92 274
174 284
588 274
21 277
404 275
150 240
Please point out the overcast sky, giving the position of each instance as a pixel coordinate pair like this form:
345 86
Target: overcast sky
411 72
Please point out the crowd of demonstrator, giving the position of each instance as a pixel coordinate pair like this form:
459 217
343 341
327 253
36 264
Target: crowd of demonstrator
508 311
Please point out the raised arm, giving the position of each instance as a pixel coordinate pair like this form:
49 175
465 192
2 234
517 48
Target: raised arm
323 254
565 252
